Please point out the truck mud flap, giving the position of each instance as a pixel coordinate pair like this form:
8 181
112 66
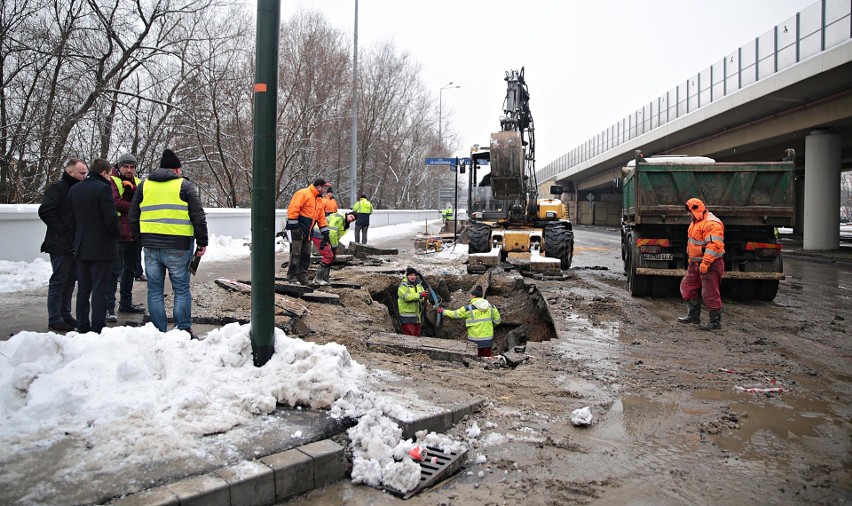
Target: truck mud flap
769 276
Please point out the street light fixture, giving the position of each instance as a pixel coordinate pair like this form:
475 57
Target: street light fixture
447 86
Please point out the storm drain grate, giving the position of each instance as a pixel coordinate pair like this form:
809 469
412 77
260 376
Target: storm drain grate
435 467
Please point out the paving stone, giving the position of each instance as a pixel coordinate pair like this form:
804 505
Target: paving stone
329 463
160 496
204 490
293 472
252 483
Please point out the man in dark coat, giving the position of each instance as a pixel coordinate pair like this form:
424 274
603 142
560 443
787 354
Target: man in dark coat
59 244
91 210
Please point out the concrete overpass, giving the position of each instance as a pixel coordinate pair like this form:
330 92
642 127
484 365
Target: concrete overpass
789 88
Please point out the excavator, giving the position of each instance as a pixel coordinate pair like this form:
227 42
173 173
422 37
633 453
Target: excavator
508 219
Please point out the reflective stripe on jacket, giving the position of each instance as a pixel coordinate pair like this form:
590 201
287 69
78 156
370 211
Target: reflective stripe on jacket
409 301
480 318
706 242
162 211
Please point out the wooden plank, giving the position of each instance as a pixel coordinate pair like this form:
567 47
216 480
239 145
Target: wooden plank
282 301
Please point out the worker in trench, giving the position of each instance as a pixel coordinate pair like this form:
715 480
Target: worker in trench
411 297
480 318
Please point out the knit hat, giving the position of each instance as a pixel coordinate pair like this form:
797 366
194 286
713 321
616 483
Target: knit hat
329 191
127 159
169 160
410 270
477 291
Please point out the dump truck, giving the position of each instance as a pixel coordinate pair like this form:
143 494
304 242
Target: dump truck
751 199
508 219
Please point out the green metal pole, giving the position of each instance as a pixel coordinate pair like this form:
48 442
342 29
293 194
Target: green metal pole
263 182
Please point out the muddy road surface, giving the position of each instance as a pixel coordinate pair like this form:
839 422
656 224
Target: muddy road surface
671 424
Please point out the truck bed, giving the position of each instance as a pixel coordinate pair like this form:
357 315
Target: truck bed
738 193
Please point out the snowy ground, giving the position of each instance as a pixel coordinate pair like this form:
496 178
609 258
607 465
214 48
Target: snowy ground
144 391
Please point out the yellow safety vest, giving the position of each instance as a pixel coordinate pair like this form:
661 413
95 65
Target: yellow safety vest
162 211
120 186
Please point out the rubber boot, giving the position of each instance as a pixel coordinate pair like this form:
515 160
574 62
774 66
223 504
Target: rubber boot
715 321
693 314
321 277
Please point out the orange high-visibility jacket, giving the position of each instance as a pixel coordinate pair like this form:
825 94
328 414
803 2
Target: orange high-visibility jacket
706 234
330 204
307 204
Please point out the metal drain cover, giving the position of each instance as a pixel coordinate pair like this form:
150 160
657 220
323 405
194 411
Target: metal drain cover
433 469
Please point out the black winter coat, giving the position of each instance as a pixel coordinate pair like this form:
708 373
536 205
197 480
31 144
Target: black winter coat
92 211
59 237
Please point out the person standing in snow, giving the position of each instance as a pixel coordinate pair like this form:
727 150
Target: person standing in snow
410 297
166 213
480 318
59 244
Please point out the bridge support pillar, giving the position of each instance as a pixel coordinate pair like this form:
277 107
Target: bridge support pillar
822 191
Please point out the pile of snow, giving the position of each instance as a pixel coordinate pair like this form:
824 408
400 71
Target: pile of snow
137 395
581 417
16 276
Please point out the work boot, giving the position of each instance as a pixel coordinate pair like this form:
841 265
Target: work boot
293 281
303 280
693 314
110 316
321 277
715 321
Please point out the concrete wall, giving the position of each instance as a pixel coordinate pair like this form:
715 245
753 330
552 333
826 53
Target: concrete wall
22 231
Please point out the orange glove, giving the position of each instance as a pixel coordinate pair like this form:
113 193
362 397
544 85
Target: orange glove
703 268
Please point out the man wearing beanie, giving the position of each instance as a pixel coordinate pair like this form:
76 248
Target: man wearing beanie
124 183
166 213
410 297
480 318
306 209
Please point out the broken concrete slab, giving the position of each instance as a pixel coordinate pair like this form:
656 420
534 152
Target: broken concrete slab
321 297
363 250
436 349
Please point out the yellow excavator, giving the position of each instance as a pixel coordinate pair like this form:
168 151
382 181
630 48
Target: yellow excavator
508 220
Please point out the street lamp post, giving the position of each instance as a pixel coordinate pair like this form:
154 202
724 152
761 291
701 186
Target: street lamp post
447 86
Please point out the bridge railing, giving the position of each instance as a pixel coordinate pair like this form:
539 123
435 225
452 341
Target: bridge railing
819 27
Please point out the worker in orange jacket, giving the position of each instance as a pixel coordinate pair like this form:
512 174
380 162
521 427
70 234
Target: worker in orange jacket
705 248
330 203
306 209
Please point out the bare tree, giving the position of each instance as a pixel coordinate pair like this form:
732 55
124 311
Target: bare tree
846 195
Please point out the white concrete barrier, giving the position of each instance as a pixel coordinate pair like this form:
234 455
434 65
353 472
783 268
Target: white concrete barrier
22 232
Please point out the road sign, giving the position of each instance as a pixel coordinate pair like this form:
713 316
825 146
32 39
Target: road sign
443 161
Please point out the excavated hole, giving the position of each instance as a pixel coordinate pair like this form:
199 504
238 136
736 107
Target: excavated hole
522 309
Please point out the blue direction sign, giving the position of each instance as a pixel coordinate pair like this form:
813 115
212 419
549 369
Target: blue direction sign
442 161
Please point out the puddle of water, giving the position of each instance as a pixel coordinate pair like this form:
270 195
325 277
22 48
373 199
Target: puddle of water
764 421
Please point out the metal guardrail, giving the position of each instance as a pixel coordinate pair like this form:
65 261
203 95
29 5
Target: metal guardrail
815 29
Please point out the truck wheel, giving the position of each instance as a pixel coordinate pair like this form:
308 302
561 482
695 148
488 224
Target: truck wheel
767 290
479 238
639 286
559 243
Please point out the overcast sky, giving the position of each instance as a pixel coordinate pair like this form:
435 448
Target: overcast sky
588 63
